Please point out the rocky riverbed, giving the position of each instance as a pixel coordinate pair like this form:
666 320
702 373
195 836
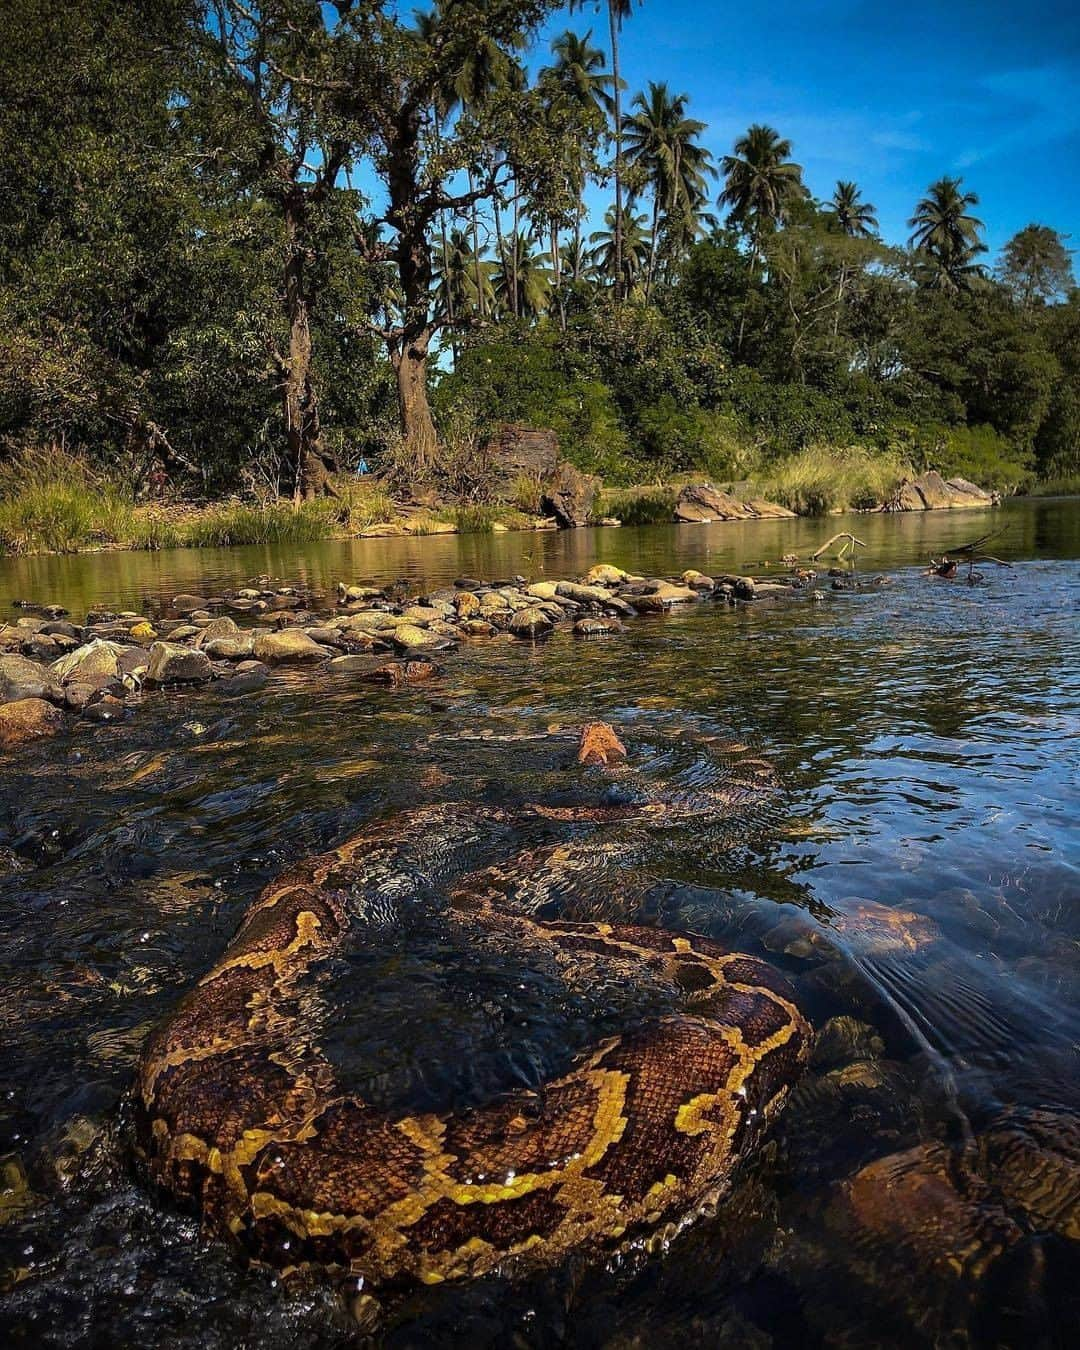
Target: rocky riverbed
56 671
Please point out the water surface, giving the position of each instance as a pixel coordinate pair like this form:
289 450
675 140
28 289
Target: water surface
926 733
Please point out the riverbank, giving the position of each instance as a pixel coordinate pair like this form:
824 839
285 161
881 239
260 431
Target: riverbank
59 505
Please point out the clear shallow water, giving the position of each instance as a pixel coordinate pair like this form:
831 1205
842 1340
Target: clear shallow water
927 735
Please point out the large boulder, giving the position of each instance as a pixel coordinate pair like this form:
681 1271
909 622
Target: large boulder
700 503
568 495
767 510
290 644
967 493
22 679
28 719
172 664
931 492
93 662
521 453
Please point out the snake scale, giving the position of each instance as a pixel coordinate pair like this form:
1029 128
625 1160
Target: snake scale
239 1111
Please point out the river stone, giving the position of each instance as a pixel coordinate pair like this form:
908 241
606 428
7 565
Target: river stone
743 588
369 620
698 580
328 637
28 719
671 594
230 648
477 628
466 604
222 627
357 592
530 623
290 644
422 615
410 638
404 672
584 595
172 664
603 574
96 659
543 590
596 627
187 604
648 604
249 677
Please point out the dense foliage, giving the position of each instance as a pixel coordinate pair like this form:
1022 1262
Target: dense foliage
193 286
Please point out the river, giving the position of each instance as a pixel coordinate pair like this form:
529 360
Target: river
927 736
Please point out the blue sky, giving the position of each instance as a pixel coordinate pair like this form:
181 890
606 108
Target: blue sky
890 95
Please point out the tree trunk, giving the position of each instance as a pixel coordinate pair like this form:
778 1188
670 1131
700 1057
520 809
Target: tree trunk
749 287
478 267
651 275
614 22
308 464
417 426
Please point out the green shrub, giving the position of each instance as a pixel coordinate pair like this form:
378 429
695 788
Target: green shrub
979 453
637 506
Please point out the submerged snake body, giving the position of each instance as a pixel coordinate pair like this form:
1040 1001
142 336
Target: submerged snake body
239 1110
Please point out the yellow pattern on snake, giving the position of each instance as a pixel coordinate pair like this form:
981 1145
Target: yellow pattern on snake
238 1109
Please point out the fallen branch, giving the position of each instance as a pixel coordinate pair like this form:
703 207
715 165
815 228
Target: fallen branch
852 542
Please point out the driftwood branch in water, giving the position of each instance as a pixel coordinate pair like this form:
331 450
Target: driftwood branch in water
852 542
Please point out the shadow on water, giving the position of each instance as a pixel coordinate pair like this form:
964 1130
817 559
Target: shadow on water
919 885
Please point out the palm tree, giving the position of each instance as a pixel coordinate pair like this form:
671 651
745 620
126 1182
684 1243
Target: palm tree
618 10
759 183
622 242
578 77
661 144
946 236
854 217
523 283
456 276
578 72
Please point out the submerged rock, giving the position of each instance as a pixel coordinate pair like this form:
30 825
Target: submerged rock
530 623
28 719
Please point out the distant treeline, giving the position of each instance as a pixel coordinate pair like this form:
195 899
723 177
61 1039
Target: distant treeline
194 287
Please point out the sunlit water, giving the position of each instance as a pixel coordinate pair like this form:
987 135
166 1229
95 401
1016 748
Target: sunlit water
926 733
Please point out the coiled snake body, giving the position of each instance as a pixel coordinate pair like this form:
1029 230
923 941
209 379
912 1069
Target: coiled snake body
239 1110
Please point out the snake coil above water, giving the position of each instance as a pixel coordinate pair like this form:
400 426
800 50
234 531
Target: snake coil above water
239 1111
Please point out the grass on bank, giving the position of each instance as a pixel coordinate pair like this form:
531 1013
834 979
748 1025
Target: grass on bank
823 479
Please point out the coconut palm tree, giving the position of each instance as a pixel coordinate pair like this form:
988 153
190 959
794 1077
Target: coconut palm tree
624 243
579 73
760 181
661 145
580 79
853 216
617 10
945 236
523 282
456 278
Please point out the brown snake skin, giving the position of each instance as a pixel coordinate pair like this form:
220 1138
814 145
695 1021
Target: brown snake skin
238 1109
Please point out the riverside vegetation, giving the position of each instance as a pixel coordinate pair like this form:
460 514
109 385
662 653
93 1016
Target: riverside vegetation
197 302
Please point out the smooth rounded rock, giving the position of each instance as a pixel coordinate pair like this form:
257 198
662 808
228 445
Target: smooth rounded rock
28 719
172 664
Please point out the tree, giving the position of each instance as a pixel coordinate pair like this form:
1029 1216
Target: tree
946 237
661 144
1036 266
467 47
760 182
523 283
624 243
854 217
618 10
577 87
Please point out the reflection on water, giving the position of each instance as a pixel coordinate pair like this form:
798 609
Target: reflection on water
920 888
